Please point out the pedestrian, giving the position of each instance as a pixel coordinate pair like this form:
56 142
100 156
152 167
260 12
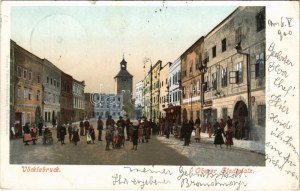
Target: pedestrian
110 123
86 125
228 137
75 137
33 133
99 128
167 128
208 127
218 136
58 131
81 127
127 125
147 130
70 130
134 137
222 125
92 133
27 136
141 131
186 132
63 132
40 126
197 133
121 123
229 124
191 128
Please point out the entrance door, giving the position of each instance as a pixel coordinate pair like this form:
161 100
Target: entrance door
240 118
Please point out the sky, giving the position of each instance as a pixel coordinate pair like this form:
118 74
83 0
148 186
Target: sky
88 42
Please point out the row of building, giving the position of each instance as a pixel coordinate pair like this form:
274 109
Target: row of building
222 74
41 92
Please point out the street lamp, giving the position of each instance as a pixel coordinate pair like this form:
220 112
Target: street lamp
239 50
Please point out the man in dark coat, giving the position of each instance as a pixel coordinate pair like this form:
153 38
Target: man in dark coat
81 128
99 128
186 132
63 132
191 128
127 124
86 125
121 123
40 127
135 136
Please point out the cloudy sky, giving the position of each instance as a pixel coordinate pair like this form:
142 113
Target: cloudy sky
88 41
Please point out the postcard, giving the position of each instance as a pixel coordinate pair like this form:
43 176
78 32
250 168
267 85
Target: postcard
154 95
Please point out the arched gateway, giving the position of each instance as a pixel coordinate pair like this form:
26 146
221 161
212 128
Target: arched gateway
240 118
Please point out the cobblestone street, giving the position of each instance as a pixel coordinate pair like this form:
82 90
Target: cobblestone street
159 151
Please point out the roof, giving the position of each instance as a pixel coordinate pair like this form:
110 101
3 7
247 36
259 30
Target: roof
123 73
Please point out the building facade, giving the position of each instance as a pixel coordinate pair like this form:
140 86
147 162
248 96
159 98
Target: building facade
66 104
138 99
78 100
146 95
155 93
52 89
235 85
191 81
173 111
164 89
26 78
108 104
123 85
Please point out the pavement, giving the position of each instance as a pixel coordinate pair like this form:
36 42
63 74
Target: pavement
159 151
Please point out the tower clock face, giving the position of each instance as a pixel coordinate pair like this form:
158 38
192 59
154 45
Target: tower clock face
123 65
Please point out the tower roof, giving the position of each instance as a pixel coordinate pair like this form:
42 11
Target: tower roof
123 72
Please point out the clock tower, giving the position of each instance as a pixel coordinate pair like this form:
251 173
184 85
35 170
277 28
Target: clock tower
123 86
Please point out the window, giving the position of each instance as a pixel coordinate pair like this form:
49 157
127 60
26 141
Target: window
57 84
38 94
214 80
259 65
19 72
25 74
224 77
214 51
239 73
183 92
23 118
25 93
224 113
30 94
206 57
205 84
214 115
19 91
260 20
224 45
197 62
54 82
191 67
38 79
261 115
28 120
238 35
51 81
45 116
47 80
29 75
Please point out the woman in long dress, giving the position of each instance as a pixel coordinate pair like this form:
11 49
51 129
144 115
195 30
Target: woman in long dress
27 136
75 138
228 137
218 137
33 133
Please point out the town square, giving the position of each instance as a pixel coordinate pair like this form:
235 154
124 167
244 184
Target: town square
74 102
